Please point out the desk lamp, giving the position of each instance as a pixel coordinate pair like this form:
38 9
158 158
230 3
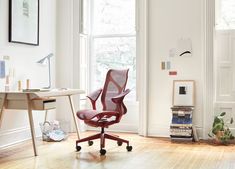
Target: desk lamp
44 61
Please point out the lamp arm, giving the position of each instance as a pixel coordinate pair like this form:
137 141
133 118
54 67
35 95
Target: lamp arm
49 72
49 67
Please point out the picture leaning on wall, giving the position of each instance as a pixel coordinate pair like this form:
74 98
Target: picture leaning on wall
183 92
24 21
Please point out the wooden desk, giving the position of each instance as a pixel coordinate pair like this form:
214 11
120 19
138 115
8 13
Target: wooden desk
36 101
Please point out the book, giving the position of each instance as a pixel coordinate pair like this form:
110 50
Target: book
186 119
36 90
181 136
31 90
185 112
173 138
181 125
181 131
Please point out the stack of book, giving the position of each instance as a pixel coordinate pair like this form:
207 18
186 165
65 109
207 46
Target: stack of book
181 127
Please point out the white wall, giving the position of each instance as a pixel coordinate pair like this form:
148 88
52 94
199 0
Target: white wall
169 21
15 126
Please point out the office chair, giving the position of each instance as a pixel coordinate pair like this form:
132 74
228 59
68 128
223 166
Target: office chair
112 96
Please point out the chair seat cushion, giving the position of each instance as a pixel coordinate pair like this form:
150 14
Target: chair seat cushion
92 117
87 114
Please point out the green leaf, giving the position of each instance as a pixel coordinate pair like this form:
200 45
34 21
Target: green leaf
223 114
231 121
216 121
210 135
217 127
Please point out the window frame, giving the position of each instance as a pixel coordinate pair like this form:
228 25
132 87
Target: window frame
91 47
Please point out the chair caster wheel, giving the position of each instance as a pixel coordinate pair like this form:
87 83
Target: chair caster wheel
119 143
128 148
90 143
102 152
78 148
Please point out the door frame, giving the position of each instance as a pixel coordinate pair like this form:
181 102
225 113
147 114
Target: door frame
208 87
142 70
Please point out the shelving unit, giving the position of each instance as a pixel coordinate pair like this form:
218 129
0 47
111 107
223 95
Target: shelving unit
181 123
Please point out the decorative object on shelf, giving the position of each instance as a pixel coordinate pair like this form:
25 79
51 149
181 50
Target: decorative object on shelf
2 69
24 22
19 85
181 127
27 84
7 84
220 130
43 61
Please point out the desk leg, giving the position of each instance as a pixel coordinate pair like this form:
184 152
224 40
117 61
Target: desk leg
3 104
30 114
74 117
45 118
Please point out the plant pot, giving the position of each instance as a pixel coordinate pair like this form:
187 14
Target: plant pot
219 134
217 139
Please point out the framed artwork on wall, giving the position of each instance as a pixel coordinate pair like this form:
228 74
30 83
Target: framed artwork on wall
24 22
183 92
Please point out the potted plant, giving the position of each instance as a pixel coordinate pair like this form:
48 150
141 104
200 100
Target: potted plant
220 130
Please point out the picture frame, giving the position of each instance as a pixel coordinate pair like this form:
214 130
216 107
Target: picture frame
24 22
183 93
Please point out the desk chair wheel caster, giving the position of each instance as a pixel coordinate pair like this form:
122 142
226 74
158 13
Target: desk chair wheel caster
102 152
90 143
128 148
78 148
119 143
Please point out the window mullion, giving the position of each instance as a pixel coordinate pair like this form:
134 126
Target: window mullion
114 35
91 44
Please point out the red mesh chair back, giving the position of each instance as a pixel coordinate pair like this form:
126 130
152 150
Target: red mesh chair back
115 84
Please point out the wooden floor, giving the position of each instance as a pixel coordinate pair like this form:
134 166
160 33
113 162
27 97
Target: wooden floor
148 153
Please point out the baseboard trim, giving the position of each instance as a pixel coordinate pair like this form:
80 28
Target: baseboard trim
13 131
16 136
159 130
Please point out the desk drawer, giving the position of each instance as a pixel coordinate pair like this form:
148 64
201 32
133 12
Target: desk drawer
37 104
44 104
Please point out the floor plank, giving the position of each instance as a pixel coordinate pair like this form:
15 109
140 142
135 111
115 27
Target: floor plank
148 153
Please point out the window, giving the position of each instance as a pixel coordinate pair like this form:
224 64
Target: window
110 28
225 14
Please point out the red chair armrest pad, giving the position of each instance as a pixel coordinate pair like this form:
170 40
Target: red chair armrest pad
120 97
95 95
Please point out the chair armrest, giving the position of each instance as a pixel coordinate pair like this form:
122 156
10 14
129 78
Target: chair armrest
93 97
119 98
